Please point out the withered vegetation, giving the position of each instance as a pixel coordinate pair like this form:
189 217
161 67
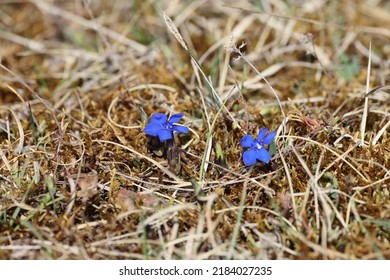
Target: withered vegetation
80 180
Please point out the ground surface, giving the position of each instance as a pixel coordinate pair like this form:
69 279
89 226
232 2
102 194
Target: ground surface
80 180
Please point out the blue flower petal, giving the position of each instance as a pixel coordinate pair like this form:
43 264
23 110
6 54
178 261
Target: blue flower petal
152 129
179 128
247 141
249 157
164 134
263 155
158 118
161 127
261 134
175 118
268 139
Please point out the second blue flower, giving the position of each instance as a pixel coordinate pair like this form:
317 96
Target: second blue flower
257 151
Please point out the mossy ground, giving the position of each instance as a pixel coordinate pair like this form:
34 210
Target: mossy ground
80 180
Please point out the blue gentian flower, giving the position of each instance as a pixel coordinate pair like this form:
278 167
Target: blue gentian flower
257 151
163 128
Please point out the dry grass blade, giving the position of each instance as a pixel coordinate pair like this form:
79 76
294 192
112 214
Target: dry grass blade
172 27
237 226
380 133
5 161
20 146
159 217
28 43
290 185
365 109
54 11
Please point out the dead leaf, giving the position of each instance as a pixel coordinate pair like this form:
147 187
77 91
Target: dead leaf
125 201
129 200
87 183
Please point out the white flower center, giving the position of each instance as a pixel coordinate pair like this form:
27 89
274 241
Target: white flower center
258 146
167 125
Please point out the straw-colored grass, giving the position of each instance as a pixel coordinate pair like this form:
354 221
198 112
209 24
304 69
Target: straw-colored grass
80 180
